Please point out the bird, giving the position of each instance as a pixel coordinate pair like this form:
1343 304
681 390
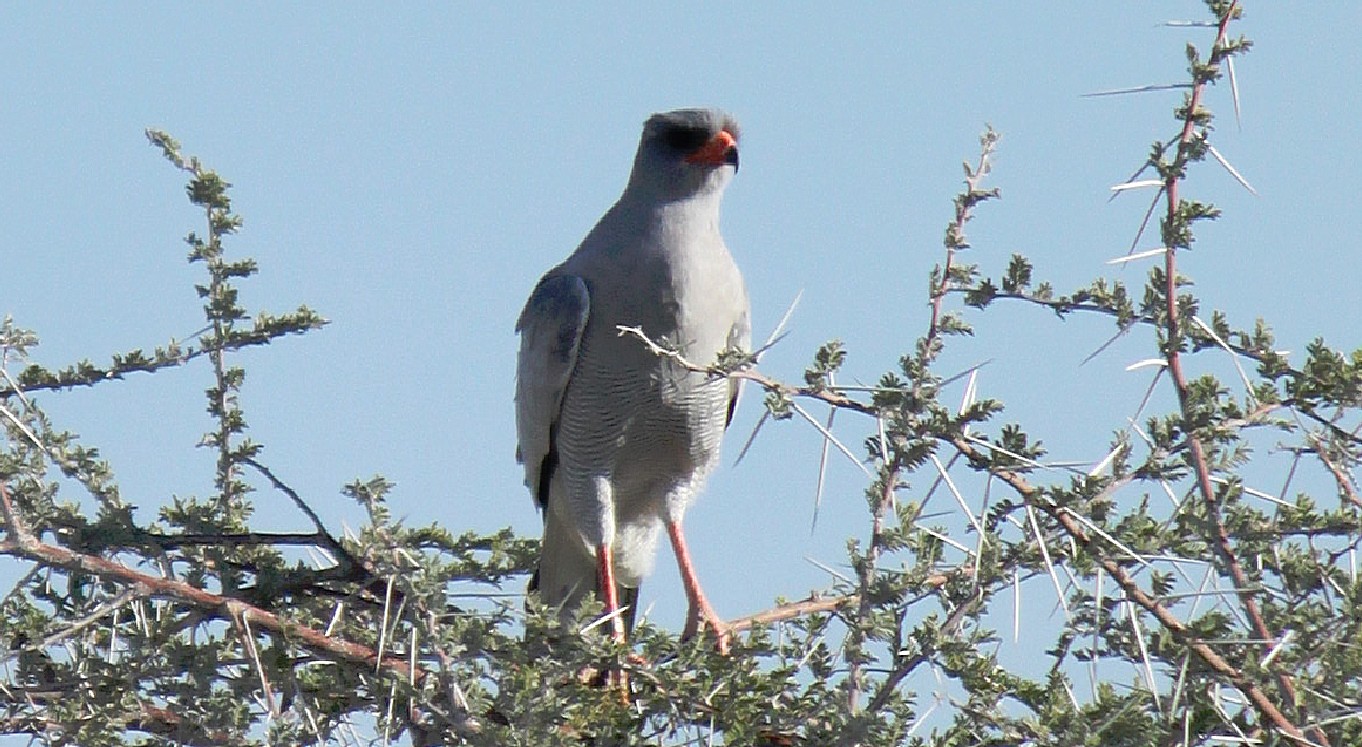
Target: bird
616 439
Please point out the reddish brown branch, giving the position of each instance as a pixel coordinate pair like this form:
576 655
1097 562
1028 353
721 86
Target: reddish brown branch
162 722
1196 451
823 394
907 665
814 604
1345 483
865 577
23 545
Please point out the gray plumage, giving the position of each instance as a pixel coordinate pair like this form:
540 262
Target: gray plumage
615 439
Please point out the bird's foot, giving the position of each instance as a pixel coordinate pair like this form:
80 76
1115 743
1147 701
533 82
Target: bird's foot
702 618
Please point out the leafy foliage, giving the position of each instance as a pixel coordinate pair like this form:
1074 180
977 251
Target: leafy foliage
1214 611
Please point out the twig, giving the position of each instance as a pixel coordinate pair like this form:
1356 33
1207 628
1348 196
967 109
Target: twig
866 575
1176 628
955 232
823 466
13 523
144 717
1196 451
22 545
1345 483
1062 306
87 376
349 564
1138 89
78 625
170 541
253 653
816 603
790 610
749 374
905 667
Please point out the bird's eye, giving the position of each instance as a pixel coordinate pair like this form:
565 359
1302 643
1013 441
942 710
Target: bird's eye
685 139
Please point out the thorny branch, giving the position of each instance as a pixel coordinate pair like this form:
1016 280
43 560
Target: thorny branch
1270 712
22 544
955 232
1100 547
865 577
86 374
144 717
1193 136
829 394
1036 497
1064 306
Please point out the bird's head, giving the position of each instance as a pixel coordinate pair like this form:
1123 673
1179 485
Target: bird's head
685 153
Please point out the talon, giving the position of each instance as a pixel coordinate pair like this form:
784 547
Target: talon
723 639
704 619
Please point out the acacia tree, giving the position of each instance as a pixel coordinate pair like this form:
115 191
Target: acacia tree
1231 610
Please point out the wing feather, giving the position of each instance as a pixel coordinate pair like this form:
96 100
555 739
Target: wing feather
550 327
739 337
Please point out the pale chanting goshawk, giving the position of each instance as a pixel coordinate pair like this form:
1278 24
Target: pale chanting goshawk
616 440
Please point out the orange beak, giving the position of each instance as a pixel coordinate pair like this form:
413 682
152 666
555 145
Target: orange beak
721 149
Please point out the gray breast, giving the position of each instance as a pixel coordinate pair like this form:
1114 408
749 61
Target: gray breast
629 413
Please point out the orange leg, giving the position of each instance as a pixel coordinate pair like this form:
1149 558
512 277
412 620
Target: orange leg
700 613
605 568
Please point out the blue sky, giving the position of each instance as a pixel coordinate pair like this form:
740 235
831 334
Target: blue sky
410 170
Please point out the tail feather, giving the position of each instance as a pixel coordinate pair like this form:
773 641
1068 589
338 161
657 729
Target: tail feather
628 597
567 572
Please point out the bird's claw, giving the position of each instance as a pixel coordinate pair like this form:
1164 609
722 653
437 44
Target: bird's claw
709 621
